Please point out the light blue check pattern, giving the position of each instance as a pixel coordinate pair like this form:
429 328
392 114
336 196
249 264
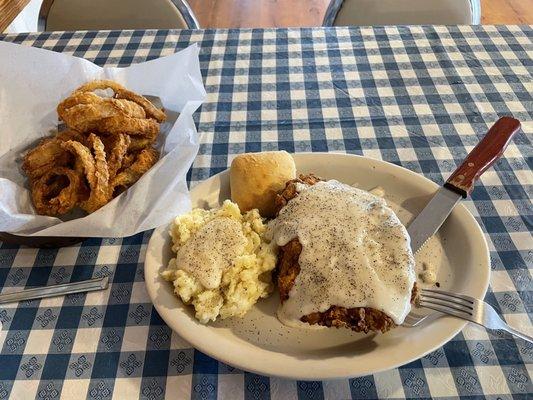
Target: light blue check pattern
420 97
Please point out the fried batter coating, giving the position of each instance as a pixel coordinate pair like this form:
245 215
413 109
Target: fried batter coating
49 154
56 192
96 107
95 170
116 148
106 149
85 112
132 126
126 112
138 143
143 162
100 192
122 93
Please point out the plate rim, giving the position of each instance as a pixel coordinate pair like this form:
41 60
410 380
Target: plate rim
238 362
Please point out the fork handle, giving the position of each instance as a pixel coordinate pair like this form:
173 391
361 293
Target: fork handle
521 335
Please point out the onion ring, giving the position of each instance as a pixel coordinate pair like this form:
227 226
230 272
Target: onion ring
49 154
138 143
95 169
122 93
143 162
78 168
84 111
52 197
131 126
115 152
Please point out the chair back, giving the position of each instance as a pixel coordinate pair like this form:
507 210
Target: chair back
69 15
403 12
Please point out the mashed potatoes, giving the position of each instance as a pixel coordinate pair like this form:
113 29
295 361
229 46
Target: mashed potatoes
222 264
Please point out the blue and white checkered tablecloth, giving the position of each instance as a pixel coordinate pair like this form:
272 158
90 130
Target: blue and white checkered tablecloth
420 97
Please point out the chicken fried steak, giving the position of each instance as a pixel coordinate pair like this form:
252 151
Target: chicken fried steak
359 319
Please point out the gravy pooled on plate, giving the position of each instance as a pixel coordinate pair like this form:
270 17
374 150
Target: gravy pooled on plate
355 253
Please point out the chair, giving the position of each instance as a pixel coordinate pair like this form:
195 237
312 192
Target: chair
403 12
69 15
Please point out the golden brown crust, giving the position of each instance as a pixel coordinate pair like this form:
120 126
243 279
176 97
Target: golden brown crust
290 192
49 154
151 110
359 319
129 125
95 170
137 143
108 146
144 160
126 112
56 192
116 149
100 190
122 93
288 267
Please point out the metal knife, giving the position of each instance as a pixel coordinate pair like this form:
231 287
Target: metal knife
461 183
63 289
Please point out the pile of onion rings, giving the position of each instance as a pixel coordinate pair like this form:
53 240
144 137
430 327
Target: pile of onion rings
106 148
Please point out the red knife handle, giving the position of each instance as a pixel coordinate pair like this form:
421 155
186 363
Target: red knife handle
487 151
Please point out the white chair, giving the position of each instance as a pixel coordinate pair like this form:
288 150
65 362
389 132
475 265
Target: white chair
69 15
403 12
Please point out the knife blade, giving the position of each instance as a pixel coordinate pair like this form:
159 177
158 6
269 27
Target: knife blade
461 183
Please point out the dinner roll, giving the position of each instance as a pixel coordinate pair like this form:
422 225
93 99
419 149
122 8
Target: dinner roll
255 178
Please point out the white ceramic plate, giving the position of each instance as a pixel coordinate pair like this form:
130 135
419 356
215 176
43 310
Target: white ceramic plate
259 343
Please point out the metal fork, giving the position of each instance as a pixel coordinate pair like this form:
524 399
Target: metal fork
468 308
413 319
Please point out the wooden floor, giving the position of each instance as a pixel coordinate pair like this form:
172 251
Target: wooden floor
283 13
497 12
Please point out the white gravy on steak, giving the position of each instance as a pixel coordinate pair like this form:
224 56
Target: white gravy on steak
355 252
